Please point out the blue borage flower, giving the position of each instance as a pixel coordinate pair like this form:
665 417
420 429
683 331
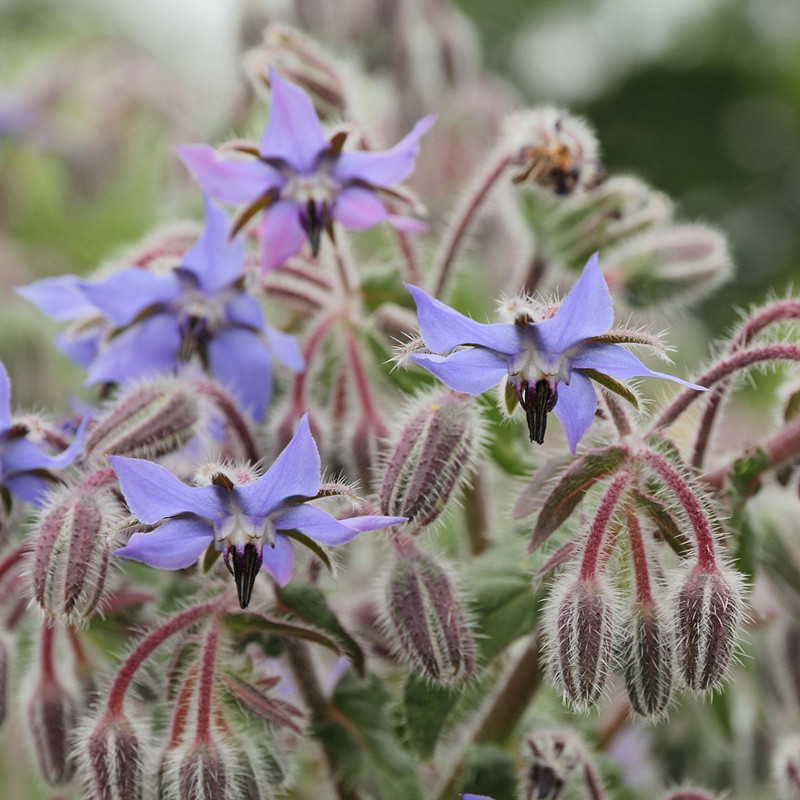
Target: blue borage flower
246 522
303 181
549 364
153 323
24 467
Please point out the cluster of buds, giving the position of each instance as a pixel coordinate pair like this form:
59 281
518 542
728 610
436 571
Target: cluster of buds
555 758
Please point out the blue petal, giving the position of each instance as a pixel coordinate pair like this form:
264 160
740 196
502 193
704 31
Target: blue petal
585 312
83 345
60 298
149 347
443 328
617 362
278 561
153 492
293 131
359 208
323 528
214 260
575 407
22 455
296 472
245 310
175 544
472 371
280 233
228 181
387 168
29 487
285 348
5 398
241 362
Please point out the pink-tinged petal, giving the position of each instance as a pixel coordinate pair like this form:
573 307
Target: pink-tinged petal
5 398
285 348
227 180
175 544
124 295
443 328
617 362
388 167
575 407
585 312
278 561
240 361
359 208
153 492
215 261
281 234
60 298
407 224
293 132
471 371
296 472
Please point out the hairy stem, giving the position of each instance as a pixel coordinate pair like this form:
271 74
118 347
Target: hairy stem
476 514
594 542
205 692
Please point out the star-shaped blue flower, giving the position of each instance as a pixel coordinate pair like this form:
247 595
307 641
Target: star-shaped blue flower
246 522
303 181
23 465
157 322
548 363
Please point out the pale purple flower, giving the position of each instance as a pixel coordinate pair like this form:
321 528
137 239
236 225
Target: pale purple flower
155 322
247 522
24 467
549 363
302 180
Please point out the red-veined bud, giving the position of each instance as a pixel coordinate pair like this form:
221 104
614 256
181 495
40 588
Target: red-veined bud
707 608
52 716
786 768
430 458
426 618
555 756
70 561
646 658
206 770
113 760
147 421
581 628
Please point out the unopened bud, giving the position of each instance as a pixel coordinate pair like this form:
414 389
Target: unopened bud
114 760
678 263
581 626
426 617
201 771
707 609
554 757
646 657
786 768
690 794
147 421
430 458
71 557
52 716
554 150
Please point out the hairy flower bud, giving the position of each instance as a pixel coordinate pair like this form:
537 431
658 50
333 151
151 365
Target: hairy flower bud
114 760
581 627
786 768
690 794
678 263
71 557
553 149
555 755
426 617
707 612
200 771
646 657
147 421
52 716
430 458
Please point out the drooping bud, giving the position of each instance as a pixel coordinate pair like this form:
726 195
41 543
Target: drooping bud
677 263
426 617
430 458
707 609
72 553
646 658
786 768
554 150
114 760
581 628
147 421
555 756
202 771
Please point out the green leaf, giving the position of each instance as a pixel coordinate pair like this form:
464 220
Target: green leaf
315 547
665 523
358 734
747 470
244 624
307 602
561 502
612 385
426 706
490 770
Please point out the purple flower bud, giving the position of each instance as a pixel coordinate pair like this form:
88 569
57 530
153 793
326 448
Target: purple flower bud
147 421
72 552
707 609
52 716
114 760
555 755
646 657
426 617
580 622
431 457
786 768
201 771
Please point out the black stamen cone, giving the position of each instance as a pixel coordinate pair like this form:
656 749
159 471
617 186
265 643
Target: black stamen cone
244 564
314 225
538 401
